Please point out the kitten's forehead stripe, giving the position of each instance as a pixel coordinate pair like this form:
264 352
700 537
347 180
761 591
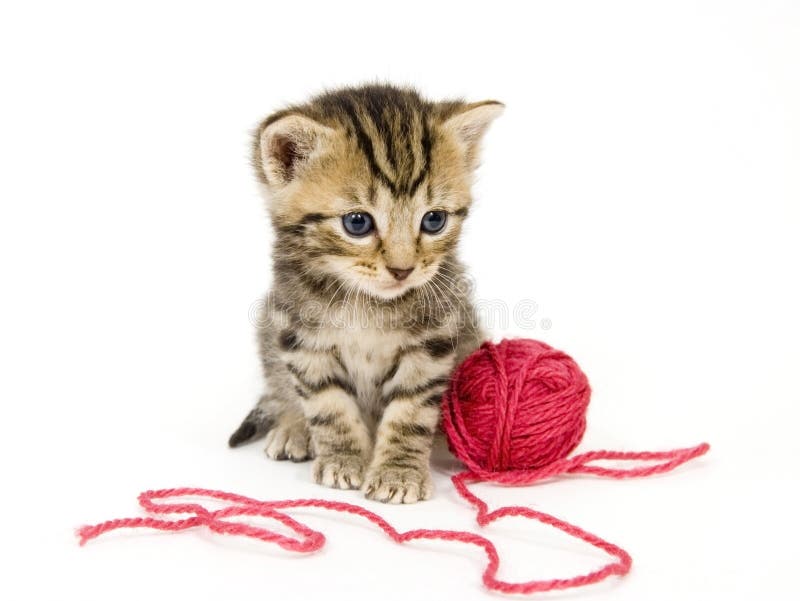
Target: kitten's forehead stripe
389 114
388 140
371 192
383 122
365 143
391 127
426 158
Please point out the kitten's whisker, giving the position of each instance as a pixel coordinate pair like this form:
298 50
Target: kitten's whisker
424 291
443 296
333 297
452 283
451 306
435 302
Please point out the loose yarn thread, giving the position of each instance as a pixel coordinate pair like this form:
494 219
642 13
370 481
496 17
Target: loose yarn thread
512 414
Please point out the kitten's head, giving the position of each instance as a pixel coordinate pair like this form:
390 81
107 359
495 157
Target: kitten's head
369 186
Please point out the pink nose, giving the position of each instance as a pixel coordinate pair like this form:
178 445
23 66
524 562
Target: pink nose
399 274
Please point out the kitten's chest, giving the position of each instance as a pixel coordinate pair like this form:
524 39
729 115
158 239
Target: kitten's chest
367 355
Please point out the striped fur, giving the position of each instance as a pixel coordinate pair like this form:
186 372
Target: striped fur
356 360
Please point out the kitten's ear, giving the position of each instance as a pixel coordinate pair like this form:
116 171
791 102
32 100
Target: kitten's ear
469 124
286 145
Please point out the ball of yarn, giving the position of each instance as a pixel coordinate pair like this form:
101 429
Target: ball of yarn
516 405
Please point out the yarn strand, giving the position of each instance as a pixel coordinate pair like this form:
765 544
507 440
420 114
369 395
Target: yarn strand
308 540
580 464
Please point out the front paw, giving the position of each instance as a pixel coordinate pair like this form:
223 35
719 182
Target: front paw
339 471
289 440
392 484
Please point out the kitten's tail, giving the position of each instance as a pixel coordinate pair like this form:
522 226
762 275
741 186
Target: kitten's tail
254 426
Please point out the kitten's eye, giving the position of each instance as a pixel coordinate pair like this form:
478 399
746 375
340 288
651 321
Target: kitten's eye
433 221
358 224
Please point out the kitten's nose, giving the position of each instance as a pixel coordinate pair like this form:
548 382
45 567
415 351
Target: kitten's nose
399 274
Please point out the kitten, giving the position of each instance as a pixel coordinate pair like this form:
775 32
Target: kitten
367 189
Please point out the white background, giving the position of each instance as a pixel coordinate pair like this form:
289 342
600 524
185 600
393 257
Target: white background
642 188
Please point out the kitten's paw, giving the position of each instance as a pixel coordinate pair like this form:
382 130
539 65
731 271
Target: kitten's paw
339 471
289 441
398 484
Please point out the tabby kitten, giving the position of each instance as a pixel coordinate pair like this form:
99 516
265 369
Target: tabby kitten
367 189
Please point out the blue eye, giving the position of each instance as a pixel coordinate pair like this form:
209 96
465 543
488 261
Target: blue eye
358 224
433 221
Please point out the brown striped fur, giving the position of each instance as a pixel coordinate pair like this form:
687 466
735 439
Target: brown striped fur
356 360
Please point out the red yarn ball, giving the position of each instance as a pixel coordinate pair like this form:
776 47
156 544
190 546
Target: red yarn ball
516 405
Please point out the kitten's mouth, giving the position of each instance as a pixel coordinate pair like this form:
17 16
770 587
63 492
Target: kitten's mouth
395 287
391 290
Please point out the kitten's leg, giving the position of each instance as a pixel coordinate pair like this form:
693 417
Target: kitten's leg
340 439
283 423
290 438
278 414
400 470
